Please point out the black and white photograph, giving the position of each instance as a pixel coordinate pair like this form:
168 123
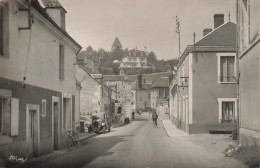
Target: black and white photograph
129 83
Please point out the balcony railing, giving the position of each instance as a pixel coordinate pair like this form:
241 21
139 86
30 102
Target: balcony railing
230 79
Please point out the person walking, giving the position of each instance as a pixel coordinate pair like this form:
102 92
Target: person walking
155 117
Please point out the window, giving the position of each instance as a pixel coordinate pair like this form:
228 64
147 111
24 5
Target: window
1 115
61 62
67 113
43 108
226 68
227 110
253 20
161 92
1 30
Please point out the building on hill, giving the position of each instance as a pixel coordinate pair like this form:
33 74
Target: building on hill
116 44
204 90
133 59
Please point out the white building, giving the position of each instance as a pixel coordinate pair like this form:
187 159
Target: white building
37 78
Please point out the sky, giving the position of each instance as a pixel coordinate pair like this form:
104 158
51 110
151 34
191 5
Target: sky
143 23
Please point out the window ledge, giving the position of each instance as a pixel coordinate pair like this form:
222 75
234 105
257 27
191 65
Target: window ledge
227 82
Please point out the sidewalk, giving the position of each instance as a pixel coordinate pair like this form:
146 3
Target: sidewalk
170 128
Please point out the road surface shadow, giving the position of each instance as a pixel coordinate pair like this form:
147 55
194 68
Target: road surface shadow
88 151
139 119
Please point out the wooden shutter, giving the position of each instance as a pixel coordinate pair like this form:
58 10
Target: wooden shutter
223 69
61 62
230 69
14 116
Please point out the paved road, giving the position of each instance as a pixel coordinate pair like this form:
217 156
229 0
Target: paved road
141 145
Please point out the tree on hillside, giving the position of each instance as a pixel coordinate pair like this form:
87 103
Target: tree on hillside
89 48
151 58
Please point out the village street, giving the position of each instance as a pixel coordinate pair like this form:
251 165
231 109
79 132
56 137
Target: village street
140 144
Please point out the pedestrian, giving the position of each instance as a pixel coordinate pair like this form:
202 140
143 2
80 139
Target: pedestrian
155 117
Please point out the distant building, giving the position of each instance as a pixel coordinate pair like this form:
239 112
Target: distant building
249 83
160 95
124 97
116 44
134 59
143 87
204 91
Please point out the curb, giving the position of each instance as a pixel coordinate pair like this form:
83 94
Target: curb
87 137
168 134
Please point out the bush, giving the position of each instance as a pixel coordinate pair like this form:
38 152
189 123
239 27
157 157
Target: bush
234 134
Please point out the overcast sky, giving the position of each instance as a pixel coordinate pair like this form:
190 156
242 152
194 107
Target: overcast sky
140 23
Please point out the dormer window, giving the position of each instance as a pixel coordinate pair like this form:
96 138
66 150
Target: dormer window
62 19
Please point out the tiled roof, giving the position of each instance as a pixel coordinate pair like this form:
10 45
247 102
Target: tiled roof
162 82
114 78
52 4
224 35
136 53
150 79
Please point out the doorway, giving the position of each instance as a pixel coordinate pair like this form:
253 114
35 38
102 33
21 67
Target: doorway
32 132
55 125
33 129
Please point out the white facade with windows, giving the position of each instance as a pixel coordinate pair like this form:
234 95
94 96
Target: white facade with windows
36 74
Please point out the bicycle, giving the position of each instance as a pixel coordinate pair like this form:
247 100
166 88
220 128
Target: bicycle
72 139
154 122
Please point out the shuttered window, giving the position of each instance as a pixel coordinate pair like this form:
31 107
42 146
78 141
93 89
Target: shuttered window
1 115
43 112
61 62
1 30
227 69
14 116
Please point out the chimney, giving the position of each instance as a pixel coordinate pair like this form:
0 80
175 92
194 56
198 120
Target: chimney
56 11
206 31
218 20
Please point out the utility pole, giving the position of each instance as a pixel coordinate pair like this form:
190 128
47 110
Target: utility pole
179 36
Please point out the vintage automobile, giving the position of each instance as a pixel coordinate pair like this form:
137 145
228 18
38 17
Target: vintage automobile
101 122
86 121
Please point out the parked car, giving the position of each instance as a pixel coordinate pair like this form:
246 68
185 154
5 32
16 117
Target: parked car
86 120
101 122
